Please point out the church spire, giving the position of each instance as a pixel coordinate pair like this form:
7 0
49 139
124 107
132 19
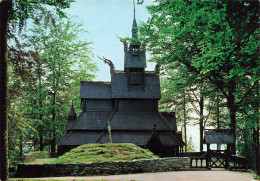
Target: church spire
72 114
134 27
134 56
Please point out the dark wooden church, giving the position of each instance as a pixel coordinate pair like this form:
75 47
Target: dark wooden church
130 104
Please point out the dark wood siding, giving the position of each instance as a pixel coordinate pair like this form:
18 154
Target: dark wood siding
138 105
99 105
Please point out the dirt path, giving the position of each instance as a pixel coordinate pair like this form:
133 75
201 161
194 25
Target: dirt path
40 161
171 176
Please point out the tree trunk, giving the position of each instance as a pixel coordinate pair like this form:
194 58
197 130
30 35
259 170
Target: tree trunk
257 131
41 138
201 121
5 6
184 120
21 146
232 113
218 124
53 141
40 106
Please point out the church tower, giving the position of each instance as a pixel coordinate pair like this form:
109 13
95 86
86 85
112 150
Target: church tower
129 103
135 63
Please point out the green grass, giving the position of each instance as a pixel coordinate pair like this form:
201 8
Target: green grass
104 153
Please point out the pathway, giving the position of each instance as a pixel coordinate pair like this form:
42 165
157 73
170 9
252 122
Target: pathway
221 175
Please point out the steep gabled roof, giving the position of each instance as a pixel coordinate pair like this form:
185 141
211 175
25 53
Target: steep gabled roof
90 121
138 138
141 138
72 112
124 120
79 138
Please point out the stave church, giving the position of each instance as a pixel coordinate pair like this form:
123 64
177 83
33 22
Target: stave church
129 103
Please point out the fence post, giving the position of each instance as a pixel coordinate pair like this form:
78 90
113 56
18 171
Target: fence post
208 157
227 155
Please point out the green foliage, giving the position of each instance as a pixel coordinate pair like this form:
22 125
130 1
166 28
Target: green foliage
49 60
217 42
104 153
203 37
67 57
190 146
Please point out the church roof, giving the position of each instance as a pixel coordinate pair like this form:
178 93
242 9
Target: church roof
90 121
139 138
95 90
72 112
120 120
124 120
78 138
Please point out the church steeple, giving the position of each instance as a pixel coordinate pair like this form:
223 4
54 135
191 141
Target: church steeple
134 55
72 114
134 26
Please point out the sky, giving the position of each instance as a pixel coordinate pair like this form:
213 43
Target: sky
105 20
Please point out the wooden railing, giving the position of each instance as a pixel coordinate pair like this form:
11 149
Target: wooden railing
199 162
237 162
221 160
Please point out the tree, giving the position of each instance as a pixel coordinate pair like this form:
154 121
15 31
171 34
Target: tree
63 52
216 40
190 145
5 6
183 91
21 10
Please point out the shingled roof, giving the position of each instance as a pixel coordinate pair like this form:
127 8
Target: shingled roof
95 90
124 120
90 121
79 138
136 137
218 138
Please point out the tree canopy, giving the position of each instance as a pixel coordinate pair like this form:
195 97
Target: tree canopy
217 40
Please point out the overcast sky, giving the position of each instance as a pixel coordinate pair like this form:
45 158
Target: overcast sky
105 20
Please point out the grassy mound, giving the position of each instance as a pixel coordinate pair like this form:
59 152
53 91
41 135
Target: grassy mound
104 153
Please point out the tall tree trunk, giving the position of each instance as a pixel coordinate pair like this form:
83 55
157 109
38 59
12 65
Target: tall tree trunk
41 138
218 124
21 146
201 121
5 6
53 141
184 120
232 113
40 106
257 130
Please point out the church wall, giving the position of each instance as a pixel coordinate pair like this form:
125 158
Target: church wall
120 88
137 105
99 105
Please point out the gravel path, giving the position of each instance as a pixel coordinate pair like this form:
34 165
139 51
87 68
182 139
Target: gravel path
40 161
172 176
